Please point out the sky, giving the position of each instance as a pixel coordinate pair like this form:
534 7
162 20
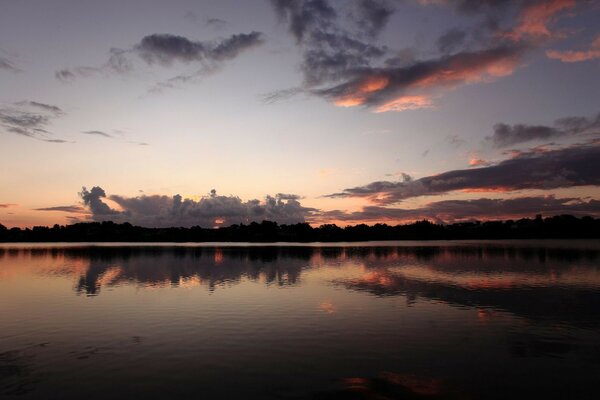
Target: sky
211 113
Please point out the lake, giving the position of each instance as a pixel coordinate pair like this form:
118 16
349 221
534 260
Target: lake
387 320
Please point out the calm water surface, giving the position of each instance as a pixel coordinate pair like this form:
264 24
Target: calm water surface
395 320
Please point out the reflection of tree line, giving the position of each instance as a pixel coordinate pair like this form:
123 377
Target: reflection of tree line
281 265
179 266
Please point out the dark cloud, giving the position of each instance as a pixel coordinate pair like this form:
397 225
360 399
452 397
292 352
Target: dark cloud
451 40
7 205
30 119
508 135
65 75
347 67
217 23
371 16
387 87
342 63
98 133
42 106
8 65
166 49
166 211
568 167
69 209
331 53
303 16
477 6
457 210
93 200
69 74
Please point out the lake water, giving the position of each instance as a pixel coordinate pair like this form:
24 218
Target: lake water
458 320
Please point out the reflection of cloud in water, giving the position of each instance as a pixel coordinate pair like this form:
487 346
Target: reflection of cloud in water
567 304
559 281
389 385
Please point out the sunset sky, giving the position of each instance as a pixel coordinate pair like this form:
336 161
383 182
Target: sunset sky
182 113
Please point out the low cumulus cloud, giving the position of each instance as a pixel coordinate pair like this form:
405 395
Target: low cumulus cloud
508 135
578 165
209 211
343 62
166 49
30 119
448 211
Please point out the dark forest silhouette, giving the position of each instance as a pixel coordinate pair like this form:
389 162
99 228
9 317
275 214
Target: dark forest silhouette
556 227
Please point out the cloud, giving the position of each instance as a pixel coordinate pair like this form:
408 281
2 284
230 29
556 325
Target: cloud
98 133
167 49
43 106
385 87
216 23
116 136
571 56
167 211
508 135
342 62
451 40
529 19
456 210
30 119
371 16
8 65
7 205
534 18
68 209
330 53
577 165
478 162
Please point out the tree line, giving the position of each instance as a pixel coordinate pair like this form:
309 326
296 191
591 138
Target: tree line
561 226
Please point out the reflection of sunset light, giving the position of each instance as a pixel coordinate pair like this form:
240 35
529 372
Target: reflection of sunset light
416 384
190 282
218 256
484 315
110 276
327 307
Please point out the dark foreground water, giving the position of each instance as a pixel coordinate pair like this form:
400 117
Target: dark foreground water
459 320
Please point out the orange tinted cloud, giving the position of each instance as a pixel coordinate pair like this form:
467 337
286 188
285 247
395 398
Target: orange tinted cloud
478 162
369 85
400 89
404 103
535 18
571 56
